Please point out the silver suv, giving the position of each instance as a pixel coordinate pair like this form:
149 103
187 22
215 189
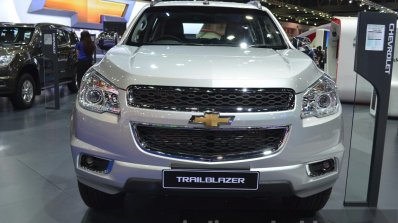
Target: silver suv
208 98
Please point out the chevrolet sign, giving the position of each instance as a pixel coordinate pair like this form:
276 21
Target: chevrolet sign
87 14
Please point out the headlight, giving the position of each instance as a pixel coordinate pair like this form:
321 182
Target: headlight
5 60
320 99
97 94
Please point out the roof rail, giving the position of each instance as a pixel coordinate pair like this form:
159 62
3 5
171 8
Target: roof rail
256 3
153 2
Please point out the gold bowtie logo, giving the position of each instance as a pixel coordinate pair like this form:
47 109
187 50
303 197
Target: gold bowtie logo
88 11
212 120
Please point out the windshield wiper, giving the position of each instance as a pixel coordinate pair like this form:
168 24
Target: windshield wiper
268 47
157 44
19 43
204 44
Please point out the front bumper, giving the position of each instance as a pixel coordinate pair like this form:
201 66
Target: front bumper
7 81
147 178
109 136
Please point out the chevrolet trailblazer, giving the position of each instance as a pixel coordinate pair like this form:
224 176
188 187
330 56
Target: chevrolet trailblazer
207 97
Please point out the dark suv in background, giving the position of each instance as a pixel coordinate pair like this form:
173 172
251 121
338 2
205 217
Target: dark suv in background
24 71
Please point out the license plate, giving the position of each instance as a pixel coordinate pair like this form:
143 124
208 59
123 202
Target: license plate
206 179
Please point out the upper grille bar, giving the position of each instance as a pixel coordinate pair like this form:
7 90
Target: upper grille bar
211 99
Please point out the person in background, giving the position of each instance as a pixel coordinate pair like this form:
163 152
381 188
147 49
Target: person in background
85 50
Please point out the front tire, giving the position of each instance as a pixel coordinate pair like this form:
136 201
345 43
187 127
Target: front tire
99 200
309 204
25 92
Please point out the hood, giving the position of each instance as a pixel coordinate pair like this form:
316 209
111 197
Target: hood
208 66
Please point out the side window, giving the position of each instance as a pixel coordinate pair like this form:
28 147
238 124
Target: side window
73 38
273 36
62 37
67 37
140 30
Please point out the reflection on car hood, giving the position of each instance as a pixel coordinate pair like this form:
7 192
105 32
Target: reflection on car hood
208 66
11 49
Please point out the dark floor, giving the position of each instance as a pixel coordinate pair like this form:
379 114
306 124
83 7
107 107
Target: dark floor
37 180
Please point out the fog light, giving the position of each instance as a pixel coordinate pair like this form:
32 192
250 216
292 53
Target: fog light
88 160
326 165
320 168
95 164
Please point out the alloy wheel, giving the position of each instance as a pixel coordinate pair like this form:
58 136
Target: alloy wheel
27 91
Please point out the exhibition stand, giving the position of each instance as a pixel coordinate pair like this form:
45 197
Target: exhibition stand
374 55
50 60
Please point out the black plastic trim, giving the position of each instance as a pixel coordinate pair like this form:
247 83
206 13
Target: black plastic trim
235 108
154 187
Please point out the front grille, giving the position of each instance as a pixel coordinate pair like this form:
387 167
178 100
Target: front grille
211 99
207 144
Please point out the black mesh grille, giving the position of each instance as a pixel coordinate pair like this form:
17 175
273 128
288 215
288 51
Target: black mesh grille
209 144
209 99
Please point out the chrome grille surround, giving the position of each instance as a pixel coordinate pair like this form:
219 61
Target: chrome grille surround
149 145
211 99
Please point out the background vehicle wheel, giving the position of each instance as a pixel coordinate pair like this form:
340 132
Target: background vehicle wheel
25 92
309 204
99 200
74 85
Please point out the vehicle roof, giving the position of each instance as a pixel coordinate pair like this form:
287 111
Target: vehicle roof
31 25
211 3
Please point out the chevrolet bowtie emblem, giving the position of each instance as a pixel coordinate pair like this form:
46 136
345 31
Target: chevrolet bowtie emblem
88 11
85 14
212 119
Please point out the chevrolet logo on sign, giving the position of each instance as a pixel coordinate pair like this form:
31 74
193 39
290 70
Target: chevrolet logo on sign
212 120
89 11
85 13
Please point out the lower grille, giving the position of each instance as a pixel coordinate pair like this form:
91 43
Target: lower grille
210 144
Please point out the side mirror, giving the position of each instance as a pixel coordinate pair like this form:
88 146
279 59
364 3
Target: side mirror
107 40
294 43
302 49
38 44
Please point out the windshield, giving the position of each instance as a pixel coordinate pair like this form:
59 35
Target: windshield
213 26
15 35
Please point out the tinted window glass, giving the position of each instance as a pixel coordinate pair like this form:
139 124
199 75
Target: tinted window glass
15 35
73 38
62 37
